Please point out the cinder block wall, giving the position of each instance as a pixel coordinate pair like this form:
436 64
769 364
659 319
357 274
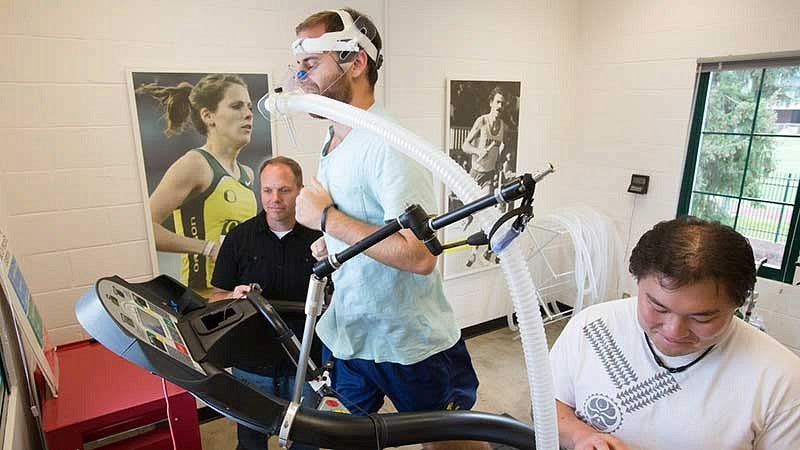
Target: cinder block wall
607 91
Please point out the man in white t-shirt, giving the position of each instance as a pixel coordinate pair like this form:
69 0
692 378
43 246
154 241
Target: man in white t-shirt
674 368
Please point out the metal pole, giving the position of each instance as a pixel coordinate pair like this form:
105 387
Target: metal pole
314 299
780 217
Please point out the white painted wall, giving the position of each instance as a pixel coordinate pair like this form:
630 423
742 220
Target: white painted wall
635 90
607 90
70 174
72 191
532 41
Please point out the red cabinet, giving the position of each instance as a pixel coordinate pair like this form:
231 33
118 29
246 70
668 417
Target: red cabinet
113 404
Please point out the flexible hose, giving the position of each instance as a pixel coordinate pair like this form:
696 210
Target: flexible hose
534 343
597 251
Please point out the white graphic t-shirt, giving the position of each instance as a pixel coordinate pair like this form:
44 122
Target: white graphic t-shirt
744 394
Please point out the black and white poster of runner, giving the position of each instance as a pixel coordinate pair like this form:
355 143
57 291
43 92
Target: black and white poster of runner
482 137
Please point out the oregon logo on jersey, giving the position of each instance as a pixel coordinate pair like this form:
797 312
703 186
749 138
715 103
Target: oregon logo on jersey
219 209
229 195
229 225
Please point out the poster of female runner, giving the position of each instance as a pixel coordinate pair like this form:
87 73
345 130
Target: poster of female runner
201 146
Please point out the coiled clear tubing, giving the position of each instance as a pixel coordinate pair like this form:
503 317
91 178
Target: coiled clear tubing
515 271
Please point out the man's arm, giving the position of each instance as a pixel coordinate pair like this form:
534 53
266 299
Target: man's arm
401 250
468 146
574 434
226 272
222 294
782 431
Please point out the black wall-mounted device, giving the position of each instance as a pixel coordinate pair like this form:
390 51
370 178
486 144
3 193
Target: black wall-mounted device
639 184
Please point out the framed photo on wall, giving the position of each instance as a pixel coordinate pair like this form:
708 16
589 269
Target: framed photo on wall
482 137
200 144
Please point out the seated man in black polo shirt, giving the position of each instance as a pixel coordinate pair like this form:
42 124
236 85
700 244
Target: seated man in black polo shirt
274 251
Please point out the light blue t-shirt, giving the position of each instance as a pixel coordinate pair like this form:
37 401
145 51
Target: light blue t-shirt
380 313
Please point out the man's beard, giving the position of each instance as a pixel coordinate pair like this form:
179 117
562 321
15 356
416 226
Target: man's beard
339 90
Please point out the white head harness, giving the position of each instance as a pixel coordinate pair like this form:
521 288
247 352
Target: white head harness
350 39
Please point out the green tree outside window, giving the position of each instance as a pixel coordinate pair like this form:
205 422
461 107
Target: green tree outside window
743 162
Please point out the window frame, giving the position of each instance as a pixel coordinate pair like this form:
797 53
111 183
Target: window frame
792 248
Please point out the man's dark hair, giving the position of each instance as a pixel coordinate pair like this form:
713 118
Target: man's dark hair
333 22
688 250
495 91
288 162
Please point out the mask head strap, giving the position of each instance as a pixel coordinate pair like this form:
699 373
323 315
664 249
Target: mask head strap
351 39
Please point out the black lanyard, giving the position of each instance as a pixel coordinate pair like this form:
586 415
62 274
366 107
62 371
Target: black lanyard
674 369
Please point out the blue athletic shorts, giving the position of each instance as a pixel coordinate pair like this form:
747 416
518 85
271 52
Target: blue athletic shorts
444 381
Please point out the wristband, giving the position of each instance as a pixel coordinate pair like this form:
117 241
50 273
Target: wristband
324 216
208 248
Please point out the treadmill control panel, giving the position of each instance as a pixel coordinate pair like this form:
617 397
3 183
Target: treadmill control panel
145 320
